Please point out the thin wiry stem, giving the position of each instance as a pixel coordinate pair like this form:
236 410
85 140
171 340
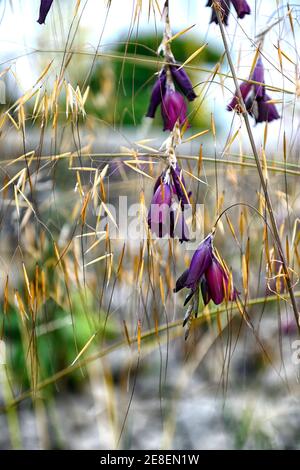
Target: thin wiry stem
259 169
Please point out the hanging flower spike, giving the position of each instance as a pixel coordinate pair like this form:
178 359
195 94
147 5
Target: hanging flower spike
173 108
255 98
241 7
157 94
183 82
44 10
206 272
159 211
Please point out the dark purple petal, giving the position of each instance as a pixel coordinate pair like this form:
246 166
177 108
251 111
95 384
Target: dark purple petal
242 8
245 89
44 10
224 8
173 107
178 226
205 291
183 81
201 260
157 94
261 110
179 184
215 278
259 76
188 297
181 281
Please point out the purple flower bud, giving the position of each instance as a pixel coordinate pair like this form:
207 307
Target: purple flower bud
44 10
173 107
183 81
215 278
157 94
241 7
201 259
259 76
179 185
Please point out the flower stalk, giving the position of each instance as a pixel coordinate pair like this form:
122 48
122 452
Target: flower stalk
259 169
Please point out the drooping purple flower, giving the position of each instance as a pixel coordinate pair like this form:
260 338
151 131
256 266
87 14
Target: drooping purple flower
183 82
255 97
206 272
44 10
241 7
157 94
179 185
159 211
200 261
173 108
215 280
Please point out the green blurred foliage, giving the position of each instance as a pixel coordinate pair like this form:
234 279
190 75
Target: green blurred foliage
121 89
57 346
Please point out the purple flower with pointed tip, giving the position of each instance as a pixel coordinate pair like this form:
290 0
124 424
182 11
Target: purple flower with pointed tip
157 94
173 108
206 272
241 7
44 10
255 98
183 82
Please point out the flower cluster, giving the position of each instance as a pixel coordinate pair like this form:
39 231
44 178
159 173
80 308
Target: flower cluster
166 212
44 10
209 273
241 7
164 93
255 97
